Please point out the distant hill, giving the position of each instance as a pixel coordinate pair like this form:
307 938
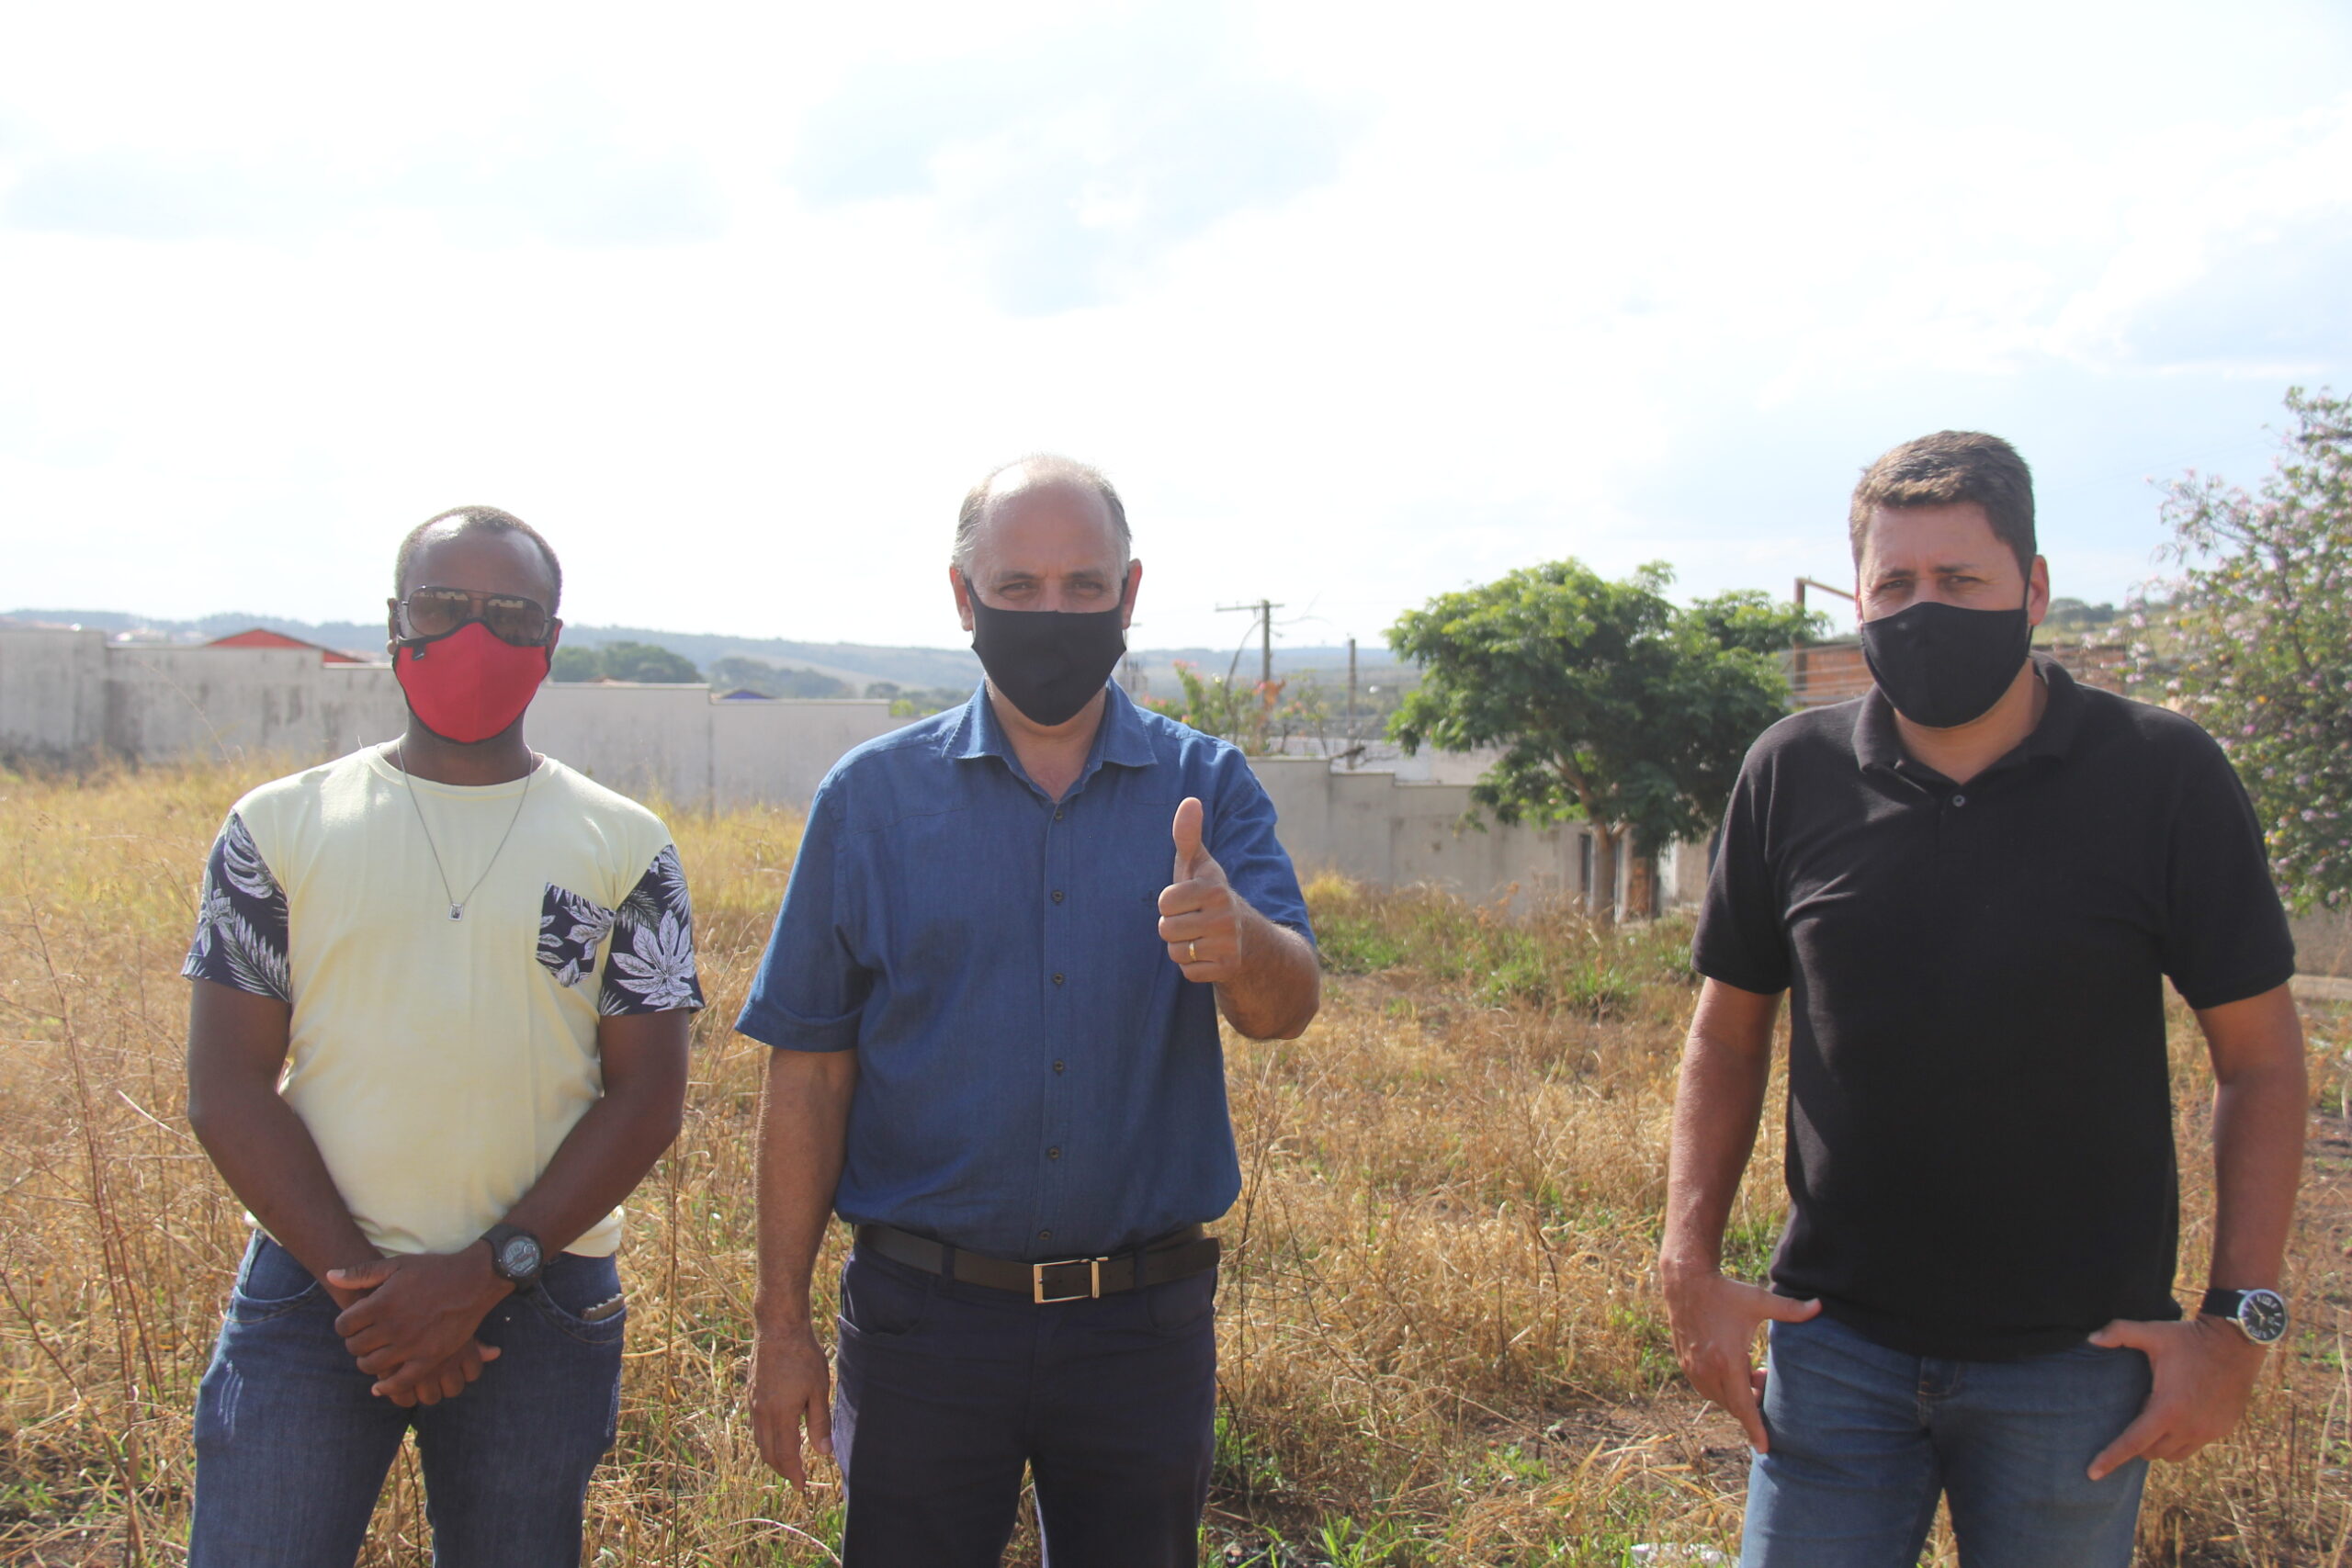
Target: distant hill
855 664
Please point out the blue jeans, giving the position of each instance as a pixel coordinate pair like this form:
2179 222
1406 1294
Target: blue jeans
947 1391
1864 1439
291 1448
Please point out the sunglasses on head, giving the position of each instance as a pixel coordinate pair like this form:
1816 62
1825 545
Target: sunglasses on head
437 612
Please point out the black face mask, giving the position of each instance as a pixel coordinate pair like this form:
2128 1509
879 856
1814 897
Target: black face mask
1942 666
1049 663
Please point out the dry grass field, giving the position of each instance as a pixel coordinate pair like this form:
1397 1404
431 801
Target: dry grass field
1441 1343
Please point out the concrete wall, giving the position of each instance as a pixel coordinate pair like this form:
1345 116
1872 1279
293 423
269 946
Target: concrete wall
2323 944
185 702
676 742
52 693
1376 829
69 695
66 694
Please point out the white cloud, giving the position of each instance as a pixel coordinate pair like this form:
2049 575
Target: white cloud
1357 306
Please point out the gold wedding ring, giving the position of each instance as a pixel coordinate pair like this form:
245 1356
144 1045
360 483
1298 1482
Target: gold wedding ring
1192 953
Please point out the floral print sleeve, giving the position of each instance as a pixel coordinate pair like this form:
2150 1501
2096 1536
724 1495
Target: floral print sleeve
651 966
240 921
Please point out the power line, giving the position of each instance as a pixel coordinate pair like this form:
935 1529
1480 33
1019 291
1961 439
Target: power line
1264 610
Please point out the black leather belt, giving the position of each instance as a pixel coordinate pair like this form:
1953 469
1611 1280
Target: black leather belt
1176 1255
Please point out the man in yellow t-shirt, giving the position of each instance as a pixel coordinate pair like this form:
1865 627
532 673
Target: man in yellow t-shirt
438 1033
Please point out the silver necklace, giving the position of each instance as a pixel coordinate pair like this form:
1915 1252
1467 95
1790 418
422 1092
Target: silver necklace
457 905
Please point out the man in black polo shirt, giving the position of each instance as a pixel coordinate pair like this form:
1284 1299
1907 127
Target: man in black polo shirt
1975 882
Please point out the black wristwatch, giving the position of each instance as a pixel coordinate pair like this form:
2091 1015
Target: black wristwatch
514 1254
2261 1315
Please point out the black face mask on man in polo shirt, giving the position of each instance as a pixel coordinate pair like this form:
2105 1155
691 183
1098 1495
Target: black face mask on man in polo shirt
1942 666
1049 663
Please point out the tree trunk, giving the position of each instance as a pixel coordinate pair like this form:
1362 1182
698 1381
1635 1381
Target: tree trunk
1601 898
1641 888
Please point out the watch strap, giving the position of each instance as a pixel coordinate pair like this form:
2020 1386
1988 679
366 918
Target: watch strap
2232 1305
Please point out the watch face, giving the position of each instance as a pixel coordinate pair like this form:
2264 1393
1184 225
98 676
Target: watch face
520 1255
2262 1315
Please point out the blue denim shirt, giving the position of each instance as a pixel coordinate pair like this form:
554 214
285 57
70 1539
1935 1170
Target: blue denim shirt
1035 1077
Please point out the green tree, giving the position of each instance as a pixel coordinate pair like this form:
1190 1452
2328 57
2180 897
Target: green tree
647 662
919 701
2254 641
738 673
1260 716
578 663
1608 702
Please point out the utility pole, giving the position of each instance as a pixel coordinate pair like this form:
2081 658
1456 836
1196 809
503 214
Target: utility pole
1800 670
1352 703
1264 610
1128 675
1805 582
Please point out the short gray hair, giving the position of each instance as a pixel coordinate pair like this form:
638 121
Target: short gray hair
1046 469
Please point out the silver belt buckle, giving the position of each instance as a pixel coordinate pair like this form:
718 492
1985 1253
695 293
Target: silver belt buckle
1093 1280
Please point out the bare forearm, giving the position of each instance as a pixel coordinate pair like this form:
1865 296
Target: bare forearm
273 1165
1717 1106
2261 1103
804 1124
599 1163
2258 1126
1279 987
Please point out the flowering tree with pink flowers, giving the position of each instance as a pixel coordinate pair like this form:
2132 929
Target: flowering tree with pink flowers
2253 639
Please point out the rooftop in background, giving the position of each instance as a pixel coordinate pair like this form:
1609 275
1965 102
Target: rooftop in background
262 636
1834 671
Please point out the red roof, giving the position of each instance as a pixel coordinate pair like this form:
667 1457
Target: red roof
262 636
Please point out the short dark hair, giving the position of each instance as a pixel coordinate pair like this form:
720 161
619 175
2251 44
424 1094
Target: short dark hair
1948 467
1049 469
465 520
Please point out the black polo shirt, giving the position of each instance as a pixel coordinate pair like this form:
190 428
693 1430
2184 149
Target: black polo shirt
1980 1153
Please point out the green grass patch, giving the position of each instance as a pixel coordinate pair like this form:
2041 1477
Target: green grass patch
1551 960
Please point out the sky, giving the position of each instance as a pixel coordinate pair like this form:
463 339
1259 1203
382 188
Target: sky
1356 304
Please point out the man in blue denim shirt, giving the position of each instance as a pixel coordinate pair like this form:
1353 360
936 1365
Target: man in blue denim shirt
994 989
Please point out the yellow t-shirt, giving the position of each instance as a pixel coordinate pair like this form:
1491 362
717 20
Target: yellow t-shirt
438 1062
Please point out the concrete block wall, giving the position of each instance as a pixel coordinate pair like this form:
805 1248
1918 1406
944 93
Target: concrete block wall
67 696
678 743
185 702
52 693
1375 828
2323 943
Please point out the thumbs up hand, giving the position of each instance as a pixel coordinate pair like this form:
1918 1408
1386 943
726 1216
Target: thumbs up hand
1200 919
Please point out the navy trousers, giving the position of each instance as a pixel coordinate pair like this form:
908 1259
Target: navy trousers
946 1391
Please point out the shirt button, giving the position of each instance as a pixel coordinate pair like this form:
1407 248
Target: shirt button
1058 1067
1057 895
1053 1154
1058 979
1960 800
1058 813
1045 1235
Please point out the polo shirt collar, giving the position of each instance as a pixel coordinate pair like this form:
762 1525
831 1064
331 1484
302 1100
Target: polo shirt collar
1878 744
1119 738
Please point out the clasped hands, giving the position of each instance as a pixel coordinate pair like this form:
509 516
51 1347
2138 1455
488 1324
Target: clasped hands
2203 1370
1200 918
409 1321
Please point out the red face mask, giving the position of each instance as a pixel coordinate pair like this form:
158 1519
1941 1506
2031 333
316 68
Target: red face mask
467 685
